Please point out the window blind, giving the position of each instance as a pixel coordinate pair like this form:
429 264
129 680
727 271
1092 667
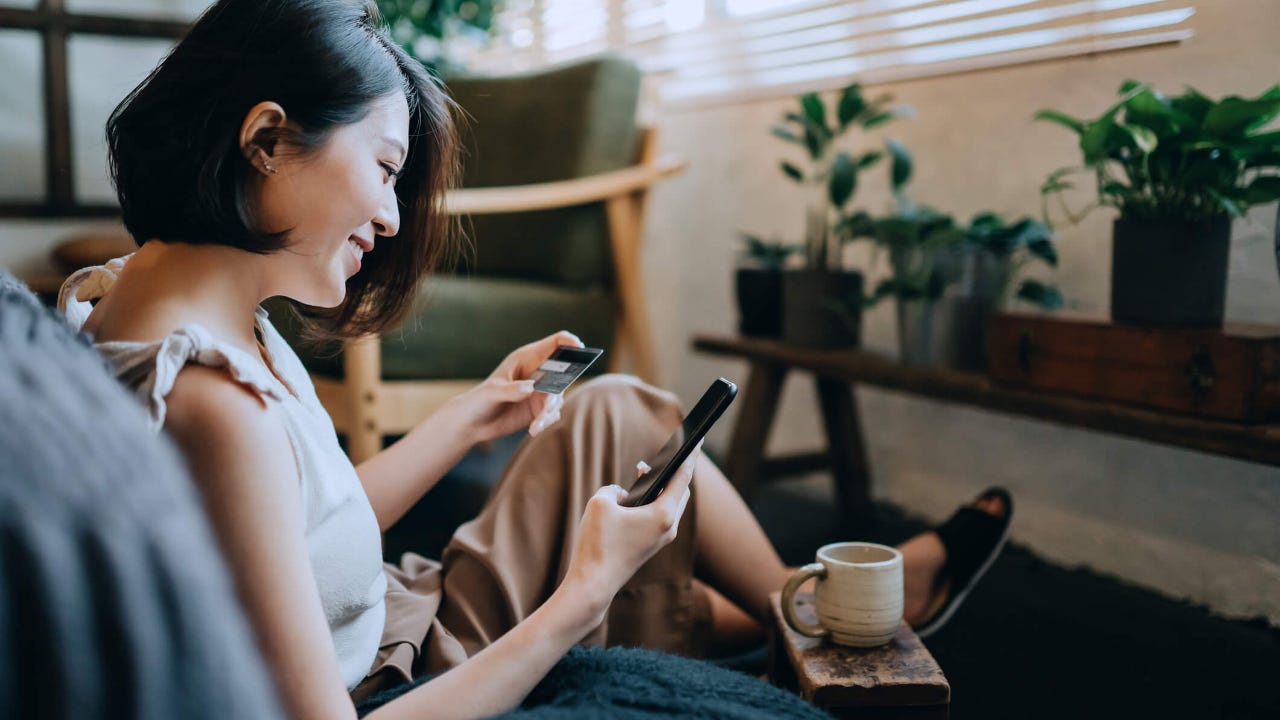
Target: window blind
709 51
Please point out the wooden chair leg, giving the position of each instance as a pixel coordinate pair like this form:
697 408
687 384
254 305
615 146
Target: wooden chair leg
755 417
633 322
362 371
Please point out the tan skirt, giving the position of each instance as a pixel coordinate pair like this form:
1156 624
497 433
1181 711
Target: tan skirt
501 566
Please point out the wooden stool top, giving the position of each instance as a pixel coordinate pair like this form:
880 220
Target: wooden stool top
901 673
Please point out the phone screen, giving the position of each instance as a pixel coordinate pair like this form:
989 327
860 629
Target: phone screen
678 447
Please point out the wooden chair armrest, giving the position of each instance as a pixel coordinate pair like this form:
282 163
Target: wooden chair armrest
562 193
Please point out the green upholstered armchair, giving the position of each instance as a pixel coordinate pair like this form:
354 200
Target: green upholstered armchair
555 178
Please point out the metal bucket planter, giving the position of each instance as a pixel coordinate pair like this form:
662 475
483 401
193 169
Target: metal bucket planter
1169 273
951 332
822 308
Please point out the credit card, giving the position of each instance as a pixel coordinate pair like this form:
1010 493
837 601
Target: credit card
564 366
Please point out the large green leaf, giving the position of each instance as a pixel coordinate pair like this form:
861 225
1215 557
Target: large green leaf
1235 116
792 171
900 174
859 225
869 159
1046 296
785 133
1143 138
1193 103
1101 139
851 104
1263 190
815 111
878 119
844 178
1152 110
1044 249
1062 119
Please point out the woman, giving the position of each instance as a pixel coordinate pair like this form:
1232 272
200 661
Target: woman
286 147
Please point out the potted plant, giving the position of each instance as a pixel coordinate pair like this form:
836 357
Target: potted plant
759 286
822 301
923 249
994 253
1177 169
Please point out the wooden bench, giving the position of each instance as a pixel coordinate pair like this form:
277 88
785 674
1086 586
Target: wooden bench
898 680
838 372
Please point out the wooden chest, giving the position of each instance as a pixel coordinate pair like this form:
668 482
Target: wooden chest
1232 373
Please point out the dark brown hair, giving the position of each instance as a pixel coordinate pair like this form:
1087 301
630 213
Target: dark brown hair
181 175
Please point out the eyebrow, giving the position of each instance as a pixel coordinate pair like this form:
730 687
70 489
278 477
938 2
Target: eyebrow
396 144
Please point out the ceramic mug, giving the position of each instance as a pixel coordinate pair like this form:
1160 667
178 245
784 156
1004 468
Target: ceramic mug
859 594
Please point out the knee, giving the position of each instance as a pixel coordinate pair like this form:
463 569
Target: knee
616 394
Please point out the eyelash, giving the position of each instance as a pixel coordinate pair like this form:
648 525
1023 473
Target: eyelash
392 173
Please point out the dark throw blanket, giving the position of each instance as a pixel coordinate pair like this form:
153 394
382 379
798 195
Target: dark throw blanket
626 683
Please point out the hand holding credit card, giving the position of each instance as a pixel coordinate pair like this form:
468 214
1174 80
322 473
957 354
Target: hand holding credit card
565 365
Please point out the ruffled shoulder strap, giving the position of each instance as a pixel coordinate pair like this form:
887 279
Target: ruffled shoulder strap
152 368
86 285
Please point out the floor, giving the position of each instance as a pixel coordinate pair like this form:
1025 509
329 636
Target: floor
1033 640
1036 640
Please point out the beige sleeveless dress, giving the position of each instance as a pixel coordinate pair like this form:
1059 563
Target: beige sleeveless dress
391 623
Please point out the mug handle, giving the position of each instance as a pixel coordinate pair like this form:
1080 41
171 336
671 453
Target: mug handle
815 630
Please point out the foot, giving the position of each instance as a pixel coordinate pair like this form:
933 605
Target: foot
923 558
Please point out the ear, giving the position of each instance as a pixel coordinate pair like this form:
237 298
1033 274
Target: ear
258 136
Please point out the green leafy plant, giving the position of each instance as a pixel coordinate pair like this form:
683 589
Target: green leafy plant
918 239
766 254
830 171
1019 243
1182 158
421 27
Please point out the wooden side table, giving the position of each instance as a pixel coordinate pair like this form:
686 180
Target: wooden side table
898 680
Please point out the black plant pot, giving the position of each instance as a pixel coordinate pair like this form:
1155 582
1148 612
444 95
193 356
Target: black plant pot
1169 273
759 302
822 308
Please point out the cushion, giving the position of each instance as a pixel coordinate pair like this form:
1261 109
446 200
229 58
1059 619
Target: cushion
114 601
558 124
463 327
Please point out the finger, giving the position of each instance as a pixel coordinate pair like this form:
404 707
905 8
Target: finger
513 390
684 503
564 337
613 493
543 422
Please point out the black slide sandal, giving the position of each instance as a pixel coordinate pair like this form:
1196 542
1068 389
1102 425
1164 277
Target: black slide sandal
973 540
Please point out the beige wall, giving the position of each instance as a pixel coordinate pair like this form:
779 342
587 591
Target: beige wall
1192 525
1189 524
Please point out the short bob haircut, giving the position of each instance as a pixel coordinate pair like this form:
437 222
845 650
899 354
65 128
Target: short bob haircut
182 176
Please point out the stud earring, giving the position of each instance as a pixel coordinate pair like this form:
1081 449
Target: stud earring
269 169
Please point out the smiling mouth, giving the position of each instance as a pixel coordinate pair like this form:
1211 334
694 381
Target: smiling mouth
359 246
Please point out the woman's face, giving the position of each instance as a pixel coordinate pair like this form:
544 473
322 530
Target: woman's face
337 203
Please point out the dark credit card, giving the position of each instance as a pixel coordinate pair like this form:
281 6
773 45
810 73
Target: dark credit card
564 366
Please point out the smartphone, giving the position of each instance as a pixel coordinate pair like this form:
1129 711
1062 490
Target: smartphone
668 460
565 365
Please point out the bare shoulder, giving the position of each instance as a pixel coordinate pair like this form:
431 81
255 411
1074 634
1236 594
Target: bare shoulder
224 428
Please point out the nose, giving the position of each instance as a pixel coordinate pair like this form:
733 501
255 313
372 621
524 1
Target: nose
387 221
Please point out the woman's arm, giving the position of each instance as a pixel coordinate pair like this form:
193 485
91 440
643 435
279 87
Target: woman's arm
240 457
613 543
239 454
396 478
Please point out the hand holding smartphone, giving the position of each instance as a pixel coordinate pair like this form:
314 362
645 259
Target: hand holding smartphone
668 459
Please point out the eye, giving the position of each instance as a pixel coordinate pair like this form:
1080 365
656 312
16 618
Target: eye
392 173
